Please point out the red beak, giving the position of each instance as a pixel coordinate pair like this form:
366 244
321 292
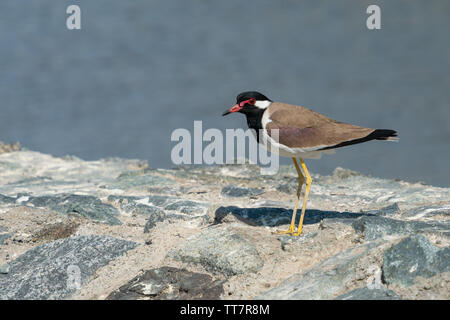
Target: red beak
235 108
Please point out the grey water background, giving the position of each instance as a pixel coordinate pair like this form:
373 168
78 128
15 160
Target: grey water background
139 69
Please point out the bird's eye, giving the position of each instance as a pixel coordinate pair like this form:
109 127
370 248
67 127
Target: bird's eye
252 101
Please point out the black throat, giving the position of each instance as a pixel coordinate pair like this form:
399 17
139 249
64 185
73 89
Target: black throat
254 119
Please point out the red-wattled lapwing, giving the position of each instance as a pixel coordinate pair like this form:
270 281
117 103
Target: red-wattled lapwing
302 133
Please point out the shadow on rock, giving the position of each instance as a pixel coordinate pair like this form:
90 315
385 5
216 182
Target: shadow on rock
273 216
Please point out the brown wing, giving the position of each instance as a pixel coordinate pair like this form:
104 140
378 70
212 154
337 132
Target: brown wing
300 127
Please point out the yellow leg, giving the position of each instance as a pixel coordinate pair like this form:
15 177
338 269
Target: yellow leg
305 199
301 179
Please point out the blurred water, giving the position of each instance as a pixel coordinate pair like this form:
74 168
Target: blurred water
140 69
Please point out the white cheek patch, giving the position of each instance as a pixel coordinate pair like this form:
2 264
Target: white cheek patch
263 104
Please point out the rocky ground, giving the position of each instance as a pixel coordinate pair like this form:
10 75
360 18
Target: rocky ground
117 229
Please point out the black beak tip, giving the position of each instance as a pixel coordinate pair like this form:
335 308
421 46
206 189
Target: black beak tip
225 113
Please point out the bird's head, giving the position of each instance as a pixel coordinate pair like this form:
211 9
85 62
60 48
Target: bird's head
249 102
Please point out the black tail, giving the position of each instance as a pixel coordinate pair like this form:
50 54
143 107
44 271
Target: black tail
378 134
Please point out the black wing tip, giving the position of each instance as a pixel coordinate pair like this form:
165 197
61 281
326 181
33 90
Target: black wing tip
383 134
377 134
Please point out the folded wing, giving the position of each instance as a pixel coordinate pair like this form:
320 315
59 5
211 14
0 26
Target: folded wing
300 127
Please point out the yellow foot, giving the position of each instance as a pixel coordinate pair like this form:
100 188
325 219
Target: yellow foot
299 232
289 231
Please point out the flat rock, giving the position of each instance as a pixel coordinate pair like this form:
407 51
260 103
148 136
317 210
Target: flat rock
289 188
139 179
129 202
168 283
56 270
389 210
357 190
209 173
412 257
143 206
219 250
324 280
6 199
152 220
236 192
41 174
159 208
428 211
89 207
366 293
374 227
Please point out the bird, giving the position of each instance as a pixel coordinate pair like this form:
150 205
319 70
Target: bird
302 134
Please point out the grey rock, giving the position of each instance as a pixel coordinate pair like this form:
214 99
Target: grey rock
229 172
412 257
365 293
130 201
186 206
374 227
160 208
35 181
235 192
46 271
6 199
389 210
287 188
139 179
219 250
3 229
6 165
142 206
4 237
168 283
86 206
272 216
4 269
428 211
356 189
324 280
142 209
153 219
39 186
